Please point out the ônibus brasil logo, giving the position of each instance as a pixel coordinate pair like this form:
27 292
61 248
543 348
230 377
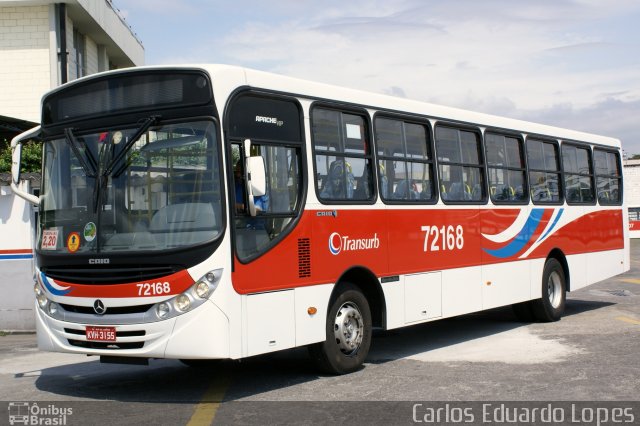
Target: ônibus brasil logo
339 243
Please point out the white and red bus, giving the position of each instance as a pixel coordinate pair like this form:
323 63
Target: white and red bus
634 222
215 212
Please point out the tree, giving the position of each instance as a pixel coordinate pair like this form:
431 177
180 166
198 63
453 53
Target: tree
31 157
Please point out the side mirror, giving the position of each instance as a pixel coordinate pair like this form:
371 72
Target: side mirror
16 158
255 177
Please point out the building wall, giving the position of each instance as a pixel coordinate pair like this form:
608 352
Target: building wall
16 262
632 192
24 60
632 182
29 59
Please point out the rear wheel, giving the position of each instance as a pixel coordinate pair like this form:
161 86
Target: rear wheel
348 331
551 306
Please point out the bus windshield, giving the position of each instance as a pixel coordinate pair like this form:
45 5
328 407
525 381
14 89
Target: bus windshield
139 188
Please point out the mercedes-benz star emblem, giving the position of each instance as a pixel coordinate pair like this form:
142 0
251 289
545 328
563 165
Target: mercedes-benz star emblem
99 308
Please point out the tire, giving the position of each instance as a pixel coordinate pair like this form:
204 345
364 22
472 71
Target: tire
348 331
523 312
551 306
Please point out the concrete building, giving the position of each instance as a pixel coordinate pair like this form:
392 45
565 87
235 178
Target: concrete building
33 35
44 43
631 170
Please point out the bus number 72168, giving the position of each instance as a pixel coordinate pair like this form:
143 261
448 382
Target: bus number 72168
443 238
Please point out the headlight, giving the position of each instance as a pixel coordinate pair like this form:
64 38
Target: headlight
40 296
202 289
191 298
183 303
162 310
53 308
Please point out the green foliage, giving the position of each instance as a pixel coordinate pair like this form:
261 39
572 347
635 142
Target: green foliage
5 157
636 157
31 157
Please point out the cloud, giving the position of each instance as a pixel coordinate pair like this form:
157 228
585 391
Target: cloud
610 117
571 63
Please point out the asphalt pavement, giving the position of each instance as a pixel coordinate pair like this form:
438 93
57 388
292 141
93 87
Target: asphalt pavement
590 357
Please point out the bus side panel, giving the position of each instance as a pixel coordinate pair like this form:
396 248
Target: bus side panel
505 279
339 240
505 283
578 271
433 240
394 298
537 266
269 322
604 264
311 327
461 291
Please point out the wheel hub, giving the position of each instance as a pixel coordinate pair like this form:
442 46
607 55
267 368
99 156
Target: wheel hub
348 328
554 289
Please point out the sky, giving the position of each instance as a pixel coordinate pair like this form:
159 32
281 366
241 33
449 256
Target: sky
568 63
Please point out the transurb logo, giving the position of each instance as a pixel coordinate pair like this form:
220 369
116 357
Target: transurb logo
339 243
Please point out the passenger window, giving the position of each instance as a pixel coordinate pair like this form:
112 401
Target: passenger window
507 174
405 164
544 173
578 174
460 167
608 177
342 156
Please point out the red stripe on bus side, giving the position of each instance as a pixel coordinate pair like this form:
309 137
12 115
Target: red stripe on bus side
401 248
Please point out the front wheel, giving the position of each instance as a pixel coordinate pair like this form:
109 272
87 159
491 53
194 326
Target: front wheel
551 306
348 331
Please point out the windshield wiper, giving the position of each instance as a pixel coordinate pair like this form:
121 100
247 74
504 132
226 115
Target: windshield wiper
105 155
141 131
90 167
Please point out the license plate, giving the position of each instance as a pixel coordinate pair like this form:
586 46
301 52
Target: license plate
101 334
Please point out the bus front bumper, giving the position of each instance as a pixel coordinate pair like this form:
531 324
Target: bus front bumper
200 334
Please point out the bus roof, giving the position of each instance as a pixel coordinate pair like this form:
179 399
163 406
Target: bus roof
233 76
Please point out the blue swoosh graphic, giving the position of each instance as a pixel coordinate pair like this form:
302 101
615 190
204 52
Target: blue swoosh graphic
555 221
51 289
522 238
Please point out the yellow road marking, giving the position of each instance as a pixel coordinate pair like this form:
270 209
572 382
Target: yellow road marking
631 280
629 320
206 409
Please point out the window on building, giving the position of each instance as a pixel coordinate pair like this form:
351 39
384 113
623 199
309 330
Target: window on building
544 172
405 163
608 176
460 166
80 47
507 173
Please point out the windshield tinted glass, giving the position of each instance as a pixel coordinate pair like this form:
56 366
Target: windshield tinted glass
164 193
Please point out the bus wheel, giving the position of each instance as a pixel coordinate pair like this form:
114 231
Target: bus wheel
551 306
348 333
